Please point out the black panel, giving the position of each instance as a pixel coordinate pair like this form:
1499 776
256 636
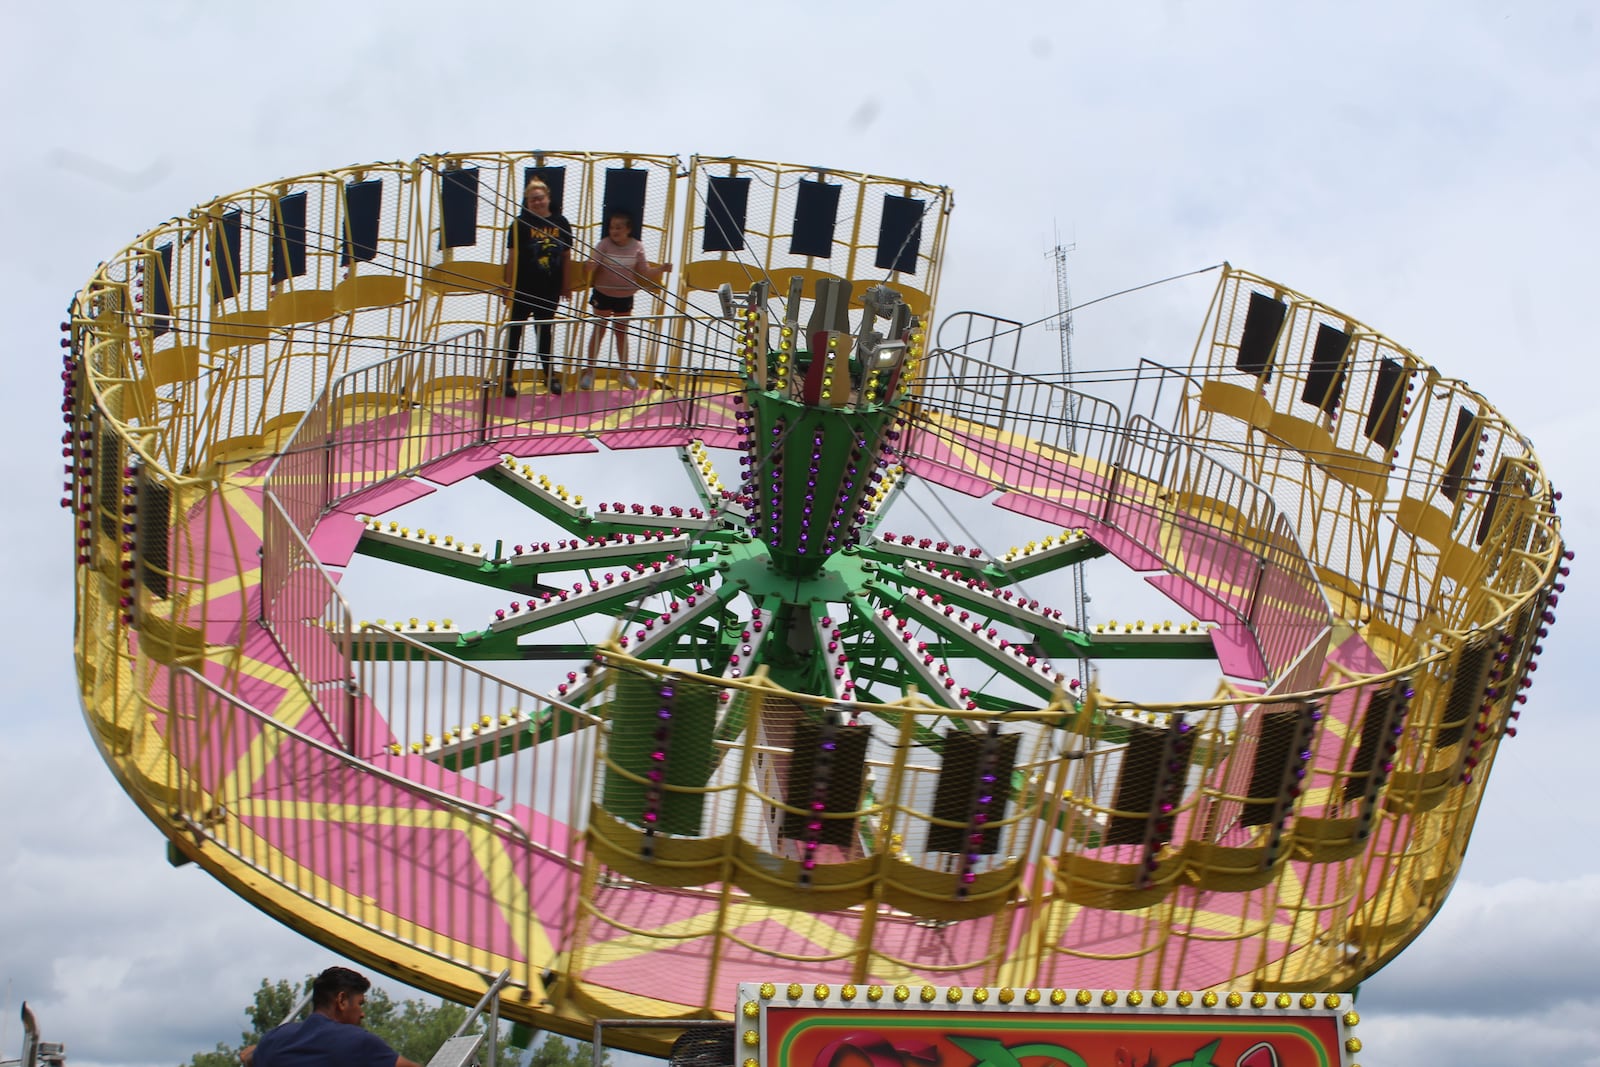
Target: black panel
1497 489
899 234
839 770
1277 749
225 251
1374 738
363 201
1463 450
1262 322
155 518
1325 377
458 208
108 482
1383 414
625 189
958 795
726 203
156 290
554 177
289 237
1136 785
816 214
1468 683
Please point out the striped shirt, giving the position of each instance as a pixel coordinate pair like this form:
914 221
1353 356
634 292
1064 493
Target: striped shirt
618 269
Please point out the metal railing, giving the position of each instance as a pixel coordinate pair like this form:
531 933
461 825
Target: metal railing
463 718
237 766
1171 498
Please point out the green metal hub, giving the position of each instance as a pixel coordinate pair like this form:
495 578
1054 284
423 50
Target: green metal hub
807 473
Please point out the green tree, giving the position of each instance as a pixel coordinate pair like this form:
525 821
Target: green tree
413 1028
271 1003
559 1052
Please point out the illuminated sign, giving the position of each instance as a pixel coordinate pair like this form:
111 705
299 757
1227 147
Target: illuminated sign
792 1025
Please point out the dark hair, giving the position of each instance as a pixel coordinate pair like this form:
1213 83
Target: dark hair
333 981
619 213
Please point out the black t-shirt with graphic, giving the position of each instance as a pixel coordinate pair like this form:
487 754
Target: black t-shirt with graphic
540 247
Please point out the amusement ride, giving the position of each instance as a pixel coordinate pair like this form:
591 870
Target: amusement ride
677 697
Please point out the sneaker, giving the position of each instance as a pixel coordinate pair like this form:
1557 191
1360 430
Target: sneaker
586 381
552 382
629 381
510 390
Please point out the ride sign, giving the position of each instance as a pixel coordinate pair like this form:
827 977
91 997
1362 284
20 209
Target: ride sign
929 1026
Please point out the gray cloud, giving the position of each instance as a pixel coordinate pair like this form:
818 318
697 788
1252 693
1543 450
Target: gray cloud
1499 952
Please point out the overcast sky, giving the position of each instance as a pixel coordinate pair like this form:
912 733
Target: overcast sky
1431 169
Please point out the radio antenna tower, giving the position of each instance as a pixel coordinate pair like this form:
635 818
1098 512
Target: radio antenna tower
1063 328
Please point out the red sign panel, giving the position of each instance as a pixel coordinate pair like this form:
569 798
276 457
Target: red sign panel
936 1033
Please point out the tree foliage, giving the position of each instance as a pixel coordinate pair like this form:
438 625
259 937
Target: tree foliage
557 1051
413 1028
271 1004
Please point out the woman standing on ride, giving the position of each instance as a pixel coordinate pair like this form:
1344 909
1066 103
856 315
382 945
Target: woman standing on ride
619 266
538 244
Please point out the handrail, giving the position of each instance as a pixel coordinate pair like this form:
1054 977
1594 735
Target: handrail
1123 437
478 811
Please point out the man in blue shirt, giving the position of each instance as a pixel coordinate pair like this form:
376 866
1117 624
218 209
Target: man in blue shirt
332 1035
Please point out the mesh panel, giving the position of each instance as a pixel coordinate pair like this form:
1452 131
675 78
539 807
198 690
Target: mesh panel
974 790
1262 324
225 251
152 545
1463 447
158 282
661 738
727 199
1376 739
458 208
1325 377
108 478
704 1047
1383 406
825 778
1467 683
1278 754
287 258
1152 776
363 203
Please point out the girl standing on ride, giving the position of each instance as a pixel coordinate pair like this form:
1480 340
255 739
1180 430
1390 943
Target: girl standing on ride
618 265
537 246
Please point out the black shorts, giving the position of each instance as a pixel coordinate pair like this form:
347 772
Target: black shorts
617 305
